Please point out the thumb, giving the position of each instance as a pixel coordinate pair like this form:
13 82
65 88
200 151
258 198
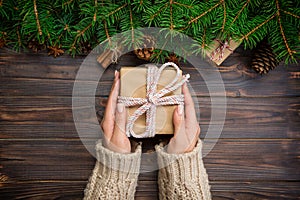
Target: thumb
119 141
179 121
120 122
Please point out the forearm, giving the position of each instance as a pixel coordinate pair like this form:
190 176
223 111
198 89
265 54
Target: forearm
182 176
114 176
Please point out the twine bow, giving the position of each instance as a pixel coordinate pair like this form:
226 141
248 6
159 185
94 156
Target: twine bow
115 55
153 99
220 50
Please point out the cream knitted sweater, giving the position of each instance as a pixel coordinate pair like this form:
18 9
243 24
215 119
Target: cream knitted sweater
181 176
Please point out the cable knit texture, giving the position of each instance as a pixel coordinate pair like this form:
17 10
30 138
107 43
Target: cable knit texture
182 176
114 176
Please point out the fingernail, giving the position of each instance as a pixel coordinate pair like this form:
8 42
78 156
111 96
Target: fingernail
120 107
116 72
180 109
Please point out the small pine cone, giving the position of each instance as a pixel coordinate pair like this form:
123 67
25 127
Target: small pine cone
35 46
147 48
264 59
2 42
173 58
85 48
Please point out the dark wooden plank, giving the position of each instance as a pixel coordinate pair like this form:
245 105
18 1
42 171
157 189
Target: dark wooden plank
264 156
61 130
255 190
52 189
148 190
44 130
39 143
56 159
234 190
23 74
253 117
239 110
33 65
230 160
258 87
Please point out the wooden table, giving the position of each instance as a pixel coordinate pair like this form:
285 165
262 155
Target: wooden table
42 157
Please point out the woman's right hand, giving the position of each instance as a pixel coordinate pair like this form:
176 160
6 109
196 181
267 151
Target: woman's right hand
187 129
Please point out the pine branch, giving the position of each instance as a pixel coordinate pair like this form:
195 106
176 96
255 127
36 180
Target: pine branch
37 18
19 36
224 18
131 24
95 15
257 27
161 49
291 52
116 10
202 14
292 14
240 11
183 5
203 39
80 33
171 15
68 2
106 32
159 11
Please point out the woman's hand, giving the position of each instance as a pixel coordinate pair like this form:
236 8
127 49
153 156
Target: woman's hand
114 121
187 129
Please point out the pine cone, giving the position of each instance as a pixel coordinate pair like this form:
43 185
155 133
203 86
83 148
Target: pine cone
2 42
143 52
35 46
85 47
3 39
264 59
173 58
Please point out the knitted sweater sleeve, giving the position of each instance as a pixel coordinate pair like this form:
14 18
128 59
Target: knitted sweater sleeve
114 176
182 176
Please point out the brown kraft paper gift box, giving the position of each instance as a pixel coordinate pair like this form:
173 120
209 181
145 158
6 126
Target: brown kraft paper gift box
227 51
133 84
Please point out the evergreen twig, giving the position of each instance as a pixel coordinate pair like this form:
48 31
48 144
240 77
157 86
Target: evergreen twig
292 14
224 16
37 17
240 11
258 26
74 23
206 12
291 52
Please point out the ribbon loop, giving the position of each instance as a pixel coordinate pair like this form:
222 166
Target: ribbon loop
153 99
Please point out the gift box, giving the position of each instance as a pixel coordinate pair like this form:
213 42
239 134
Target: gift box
133 83
219 50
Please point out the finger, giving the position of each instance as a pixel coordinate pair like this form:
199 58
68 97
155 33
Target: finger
190 113
113 96
109 115
179 143
119 141
179 121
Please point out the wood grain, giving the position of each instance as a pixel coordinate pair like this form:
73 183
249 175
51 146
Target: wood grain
239 81
147 190
263 160
251 116
42 156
